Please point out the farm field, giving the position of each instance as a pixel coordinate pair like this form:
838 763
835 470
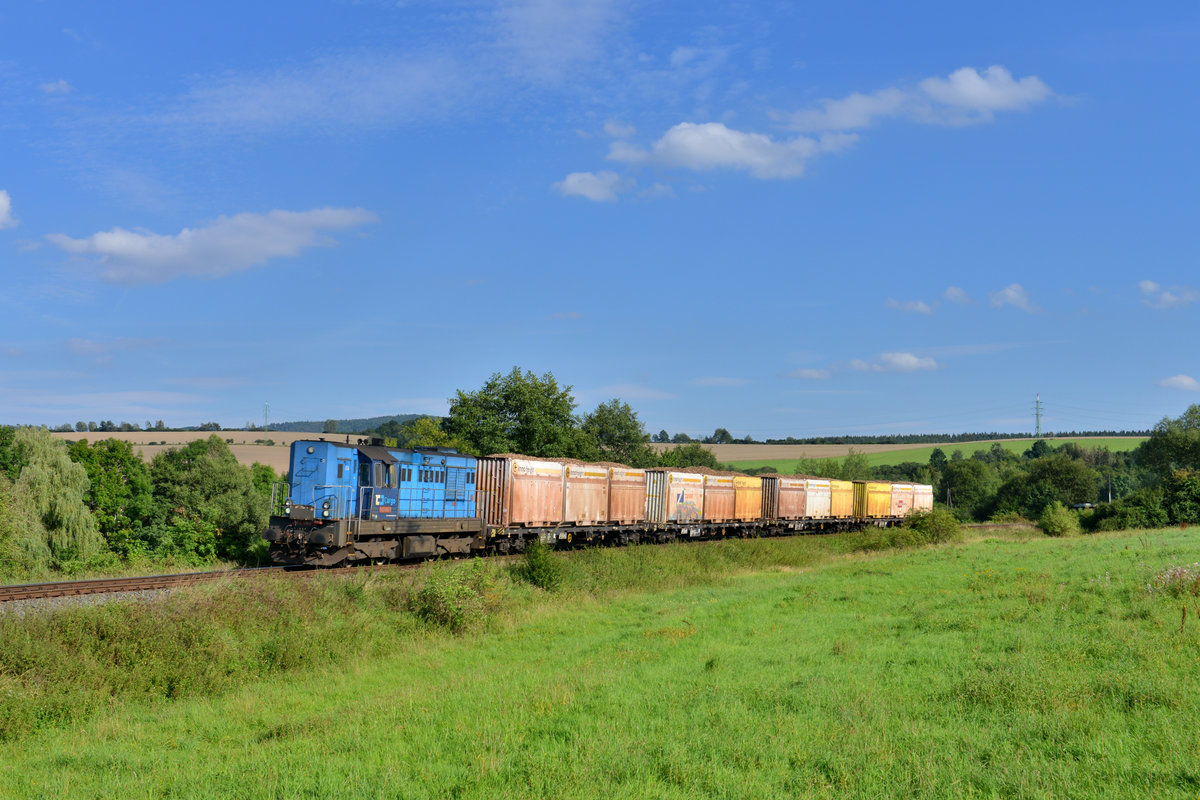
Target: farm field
890 455
243 445
782 457
1014 667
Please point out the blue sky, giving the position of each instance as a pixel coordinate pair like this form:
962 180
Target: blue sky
779 218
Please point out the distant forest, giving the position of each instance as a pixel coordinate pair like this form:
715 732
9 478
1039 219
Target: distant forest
343 425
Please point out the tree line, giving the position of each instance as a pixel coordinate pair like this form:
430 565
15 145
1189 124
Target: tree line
80 506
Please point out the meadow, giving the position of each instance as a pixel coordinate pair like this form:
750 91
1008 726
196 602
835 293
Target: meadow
1009 665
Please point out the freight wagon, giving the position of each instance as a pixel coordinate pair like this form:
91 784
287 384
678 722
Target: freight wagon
364 503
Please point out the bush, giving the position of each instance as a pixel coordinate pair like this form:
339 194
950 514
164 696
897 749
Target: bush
540 567
1142 509
1058 520
455 598
933 527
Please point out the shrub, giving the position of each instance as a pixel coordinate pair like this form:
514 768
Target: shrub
933 527
540 567
1058 520
455 599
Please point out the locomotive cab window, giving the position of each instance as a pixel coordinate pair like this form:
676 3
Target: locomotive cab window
364 474
378 474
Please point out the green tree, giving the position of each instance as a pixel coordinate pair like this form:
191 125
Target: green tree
200 488
427 432
663 436
688 455
519 413
119 493
619 434
721 436
51 490
1173 444
966 485
330 426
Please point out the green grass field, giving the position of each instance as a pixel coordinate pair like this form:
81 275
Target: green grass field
1002 667
921 454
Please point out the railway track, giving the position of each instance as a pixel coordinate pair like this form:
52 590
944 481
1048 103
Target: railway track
141 583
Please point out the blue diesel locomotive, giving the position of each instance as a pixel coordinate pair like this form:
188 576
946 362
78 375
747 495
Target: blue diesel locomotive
369 503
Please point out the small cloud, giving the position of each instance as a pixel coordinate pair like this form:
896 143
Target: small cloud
719 381
711 145
27 245
601 187
1185 382
957 295
566 315
895 362
7 220
225 246
1013 295
810 374
965 96
56 87
1157 297
618 130
910 306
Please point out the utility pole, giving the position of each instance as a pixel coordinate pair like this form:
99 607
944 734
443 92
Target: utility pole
1037 415
266 416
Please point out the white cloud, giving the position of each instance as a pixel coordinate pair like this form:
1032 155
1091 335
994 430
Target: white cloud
657 190
1013 295
1185 382
810 374
896 362
56 87
965 96
911 306
993 90
624 391
719 381
711 145
1157 297
7 220
618 130
853 111
227 245
957 295
602 187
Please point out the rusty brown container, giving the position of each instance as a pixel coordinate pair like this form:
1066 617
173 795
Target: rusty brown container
747 498
626 495
783 497
841 499
922 497
585 494
720 499
517 492
674 496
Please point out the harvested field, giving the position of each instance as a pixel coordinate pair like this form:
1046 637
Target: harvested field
151 443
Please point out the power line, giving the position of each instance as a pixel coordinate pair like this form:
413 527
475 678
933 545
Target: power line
1037 414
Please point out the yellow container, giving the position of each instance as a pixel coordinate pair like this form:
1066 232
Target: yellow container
872 499
748 498
841 499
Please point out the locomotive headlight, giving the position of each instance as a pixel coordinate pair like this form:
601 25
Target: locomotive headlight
325 513
325 505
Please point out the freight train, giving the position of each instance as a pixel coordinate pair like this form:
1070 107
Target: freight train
371 503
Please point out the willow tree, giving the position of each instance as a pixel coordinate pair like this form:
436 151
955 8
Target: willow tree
49 493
